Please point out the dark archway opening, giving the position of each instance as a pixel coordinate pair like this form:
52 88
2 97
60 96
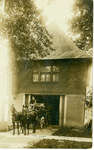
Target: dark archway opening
52 104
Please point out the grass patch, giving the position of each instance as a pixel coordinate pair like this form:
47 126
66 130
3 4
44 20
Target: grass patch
71 132
52 143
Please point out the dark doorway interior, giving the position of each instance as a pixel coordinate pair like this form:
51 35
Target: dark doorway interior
52 104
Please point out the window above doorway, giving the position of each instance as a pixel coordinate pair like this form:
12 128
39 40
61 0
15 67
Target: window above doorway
35 77
55 77
45 77
46 74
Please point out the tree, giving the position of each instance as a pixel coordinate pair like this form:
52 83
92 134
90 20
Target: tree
25 30
82 23
89 97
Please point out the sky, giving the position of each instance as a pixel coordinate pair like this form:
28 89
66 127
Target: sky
57 11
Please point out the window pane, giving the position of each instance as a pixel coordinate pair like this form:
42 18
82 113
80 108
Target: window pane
43 77
55 77
47 77
35 77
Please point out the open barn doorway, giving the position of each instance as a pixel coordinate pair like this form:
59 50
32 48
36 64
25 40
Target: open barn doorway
52 104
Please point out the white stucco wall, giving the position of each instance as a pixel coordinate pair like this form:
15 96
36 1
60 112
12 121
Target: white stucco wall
90 75
74 110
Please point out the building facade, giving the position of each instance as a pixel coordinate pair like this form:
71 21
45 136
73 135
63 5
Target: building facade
60 81
60 84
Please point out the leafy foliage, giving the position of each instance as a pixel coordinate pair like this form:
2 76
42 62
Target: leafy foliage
24 27
89 97
82 23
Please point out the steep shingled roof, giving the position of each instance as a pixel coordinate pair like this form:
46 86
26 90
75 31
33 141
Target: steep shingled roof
64 47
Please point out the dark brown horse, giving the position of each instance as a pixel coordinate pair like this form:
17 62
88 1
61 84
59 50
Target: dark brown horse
23 121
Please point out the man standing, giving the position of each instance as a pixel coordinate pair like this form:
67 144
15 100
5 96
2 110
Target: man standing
13 111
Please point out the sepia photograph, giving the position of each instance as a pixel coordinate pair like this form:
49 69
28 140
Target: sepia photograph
46 74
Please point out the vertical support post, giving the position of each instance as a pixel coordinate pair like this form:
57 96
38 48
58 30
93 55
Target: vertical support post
29 99
65 111
61 111
24 99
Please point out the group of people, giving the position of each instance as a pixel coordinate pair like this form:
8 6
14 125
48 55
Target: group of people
33 113
39 110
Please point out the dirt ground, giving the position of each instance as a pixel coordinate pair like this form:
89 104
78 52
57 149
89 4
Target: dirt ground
72 132
53 143
7 140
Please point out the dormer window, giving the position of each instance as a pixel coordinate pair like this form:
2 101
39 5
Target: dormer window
46 74
45 77
35 77
55 77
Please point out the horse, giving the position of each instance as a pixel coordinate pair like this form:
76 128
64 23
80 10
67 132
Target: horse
23 121
16 121
32 118
26 117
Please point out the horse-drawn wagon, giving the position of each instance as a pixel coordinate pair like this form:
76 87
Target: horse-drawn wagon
30 115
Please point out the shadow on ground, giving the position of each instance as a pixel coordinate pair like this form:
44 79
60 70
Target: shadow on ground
71 132
52 143
68 132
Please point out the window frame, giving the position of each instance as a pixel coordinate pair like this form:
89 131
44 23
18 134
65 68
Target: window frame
51 73
55 73
33 78
45 73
